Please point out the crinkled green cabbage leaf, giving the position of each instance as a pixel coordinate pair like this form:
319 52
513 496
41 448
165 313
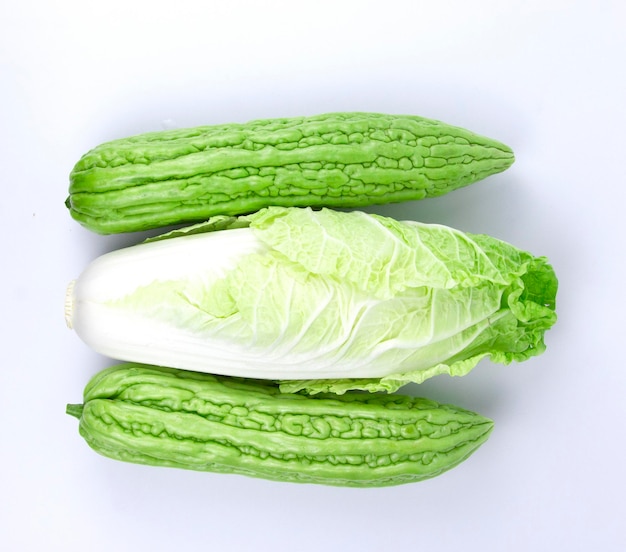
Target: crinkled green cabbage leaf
455 298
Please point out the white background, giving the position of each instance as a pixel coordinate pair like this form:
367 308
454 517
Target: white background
545 77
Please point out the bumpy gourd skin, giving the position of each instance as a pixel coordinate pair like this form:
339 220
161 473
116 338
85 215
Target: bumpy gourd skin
172 418
333 160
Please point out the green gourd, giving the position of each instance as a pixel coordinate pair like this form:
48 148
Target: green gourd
341 160
173 418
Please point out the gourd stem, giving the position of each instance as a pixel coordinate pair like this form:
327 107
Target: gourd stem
75 410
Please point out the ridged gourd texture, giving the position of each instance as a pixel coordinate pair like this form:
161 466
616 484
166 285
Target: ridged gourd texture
341 160
173 418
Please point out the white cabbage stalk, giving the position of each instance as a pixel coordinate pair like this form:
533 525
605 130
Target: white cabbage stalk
298 294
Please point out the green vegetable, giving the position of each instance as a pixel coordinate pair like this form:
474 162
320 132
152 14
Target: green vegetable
172 418
333 160
341 300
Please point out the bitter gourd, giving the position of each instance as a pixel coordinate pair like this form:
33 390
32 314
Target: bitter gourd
173 418
339 160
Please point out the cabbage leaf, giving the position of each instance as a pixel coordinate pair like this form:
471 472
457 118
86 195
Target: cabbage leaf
331 301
